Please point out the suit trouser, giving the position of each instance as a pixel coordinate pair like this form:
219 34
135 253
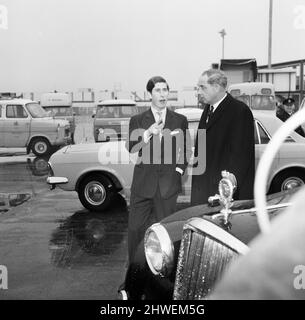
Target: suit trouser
143 213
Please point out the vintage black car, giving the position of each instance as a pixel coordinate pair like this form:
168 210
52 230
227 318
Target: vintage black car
184 255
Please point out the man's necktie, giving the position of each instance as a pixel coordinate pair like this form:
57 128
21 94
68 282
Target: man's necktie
159 116
210 112
159 121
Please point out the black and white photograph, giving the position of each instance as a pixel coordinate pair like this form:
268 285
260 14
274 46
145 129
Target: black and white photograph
152 150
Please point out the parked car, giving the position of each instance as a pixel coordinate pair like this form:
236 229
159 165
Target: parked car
256 95
184 255
60 107
111 119
24 123
79 167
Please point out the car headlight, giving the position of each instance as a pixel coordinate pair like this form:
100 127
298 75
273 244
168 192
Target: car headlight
159 250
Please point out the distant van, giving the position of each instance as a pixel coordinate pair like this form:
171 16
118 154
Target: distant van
257 95
111 120
60 107
24 123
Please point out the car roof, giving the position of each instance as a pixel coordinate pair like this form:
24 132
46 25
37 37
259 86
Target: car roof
16 101
267 118
251 84
192 114
117 102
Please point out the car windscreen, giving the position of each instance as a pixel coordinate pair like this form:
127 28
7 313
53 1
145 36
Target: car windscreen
263 102
36 110
244 98
60 111
116 111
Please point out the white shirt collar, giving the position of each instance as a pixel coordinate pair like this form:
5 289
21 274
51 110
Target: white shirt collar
215 105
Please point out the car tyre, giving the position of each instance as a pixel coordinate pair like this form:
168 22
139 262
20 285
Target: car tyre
287 180
40 146
95 192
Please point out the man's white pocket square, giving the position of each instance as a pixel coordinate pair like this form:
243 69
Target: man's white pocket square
174 132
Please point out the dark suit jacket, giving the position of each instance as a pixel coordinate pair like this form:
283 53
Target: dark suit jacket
157 160
229 146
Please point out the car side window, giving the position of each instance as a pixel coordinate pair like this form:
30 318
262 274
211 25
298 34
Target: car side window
15 111
264 138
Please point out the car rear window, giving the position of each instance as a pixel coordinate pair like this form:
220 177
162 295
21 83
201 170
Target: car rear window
244 98
60 111
263 102
116 111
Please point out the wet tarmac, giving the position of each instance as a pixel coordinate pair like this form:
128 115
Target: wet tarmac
51 246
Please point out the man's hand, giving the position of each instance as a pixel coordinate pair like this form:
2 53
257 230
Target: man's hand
155 128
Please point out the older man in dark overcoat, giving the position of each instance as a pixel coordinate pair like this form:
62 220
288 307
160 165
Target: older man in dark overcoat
229 132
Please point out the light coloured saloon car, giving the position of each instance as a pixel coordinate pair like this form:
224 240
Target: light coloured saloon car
97 171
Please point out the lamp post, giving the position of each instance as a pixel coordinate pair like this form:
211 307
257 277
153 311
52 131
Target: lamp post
270 33
223 33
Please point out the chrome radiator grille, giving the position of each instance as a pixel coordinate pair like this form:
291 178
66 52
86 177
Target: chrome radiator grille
202 260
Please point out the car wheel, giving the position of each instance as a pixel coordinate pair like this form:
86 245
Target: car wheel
287 180
41 147
95 192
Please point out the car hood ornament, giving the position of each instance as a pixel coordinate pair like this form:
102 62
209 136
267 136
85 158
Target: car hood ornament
226 188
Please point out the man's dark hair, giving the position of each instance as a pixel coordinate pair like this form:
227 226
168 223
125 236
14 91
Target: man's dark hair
152 82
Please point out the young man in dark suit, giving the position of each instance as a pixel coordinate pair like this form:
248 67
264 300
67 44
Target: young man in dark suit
159 137
229 132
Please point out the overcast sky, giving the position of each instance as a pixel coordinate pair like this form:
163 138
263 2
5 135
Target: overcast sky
70 44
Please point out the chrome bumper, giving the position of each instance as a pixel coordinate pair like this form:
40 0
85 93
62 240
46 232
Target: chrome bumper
53 181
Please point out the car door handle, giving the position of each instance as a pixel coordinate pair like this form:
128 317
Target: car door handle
16 123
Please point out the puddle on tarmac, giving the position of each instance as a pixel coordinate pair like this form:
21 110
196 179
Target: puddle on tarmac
87 238
8 200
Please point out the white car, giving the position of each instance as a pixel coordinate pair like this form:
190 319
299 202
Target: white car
97 171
